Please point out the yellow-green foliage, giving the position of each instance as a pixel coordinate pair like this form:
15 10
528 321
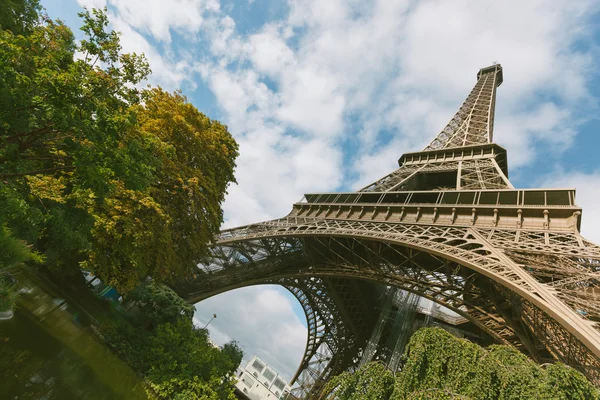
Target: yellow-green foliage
98 173
440 366
371 382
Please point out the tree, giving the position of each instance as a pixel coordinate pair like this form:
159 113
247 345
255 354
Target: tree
19 16
195 389
440 366
123 181
57 111
164 230
98 173
160 304
177 359
62 121
233 354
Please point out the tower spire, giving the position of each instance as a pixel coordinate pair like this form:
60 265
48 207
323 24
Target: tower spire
462 156
474 122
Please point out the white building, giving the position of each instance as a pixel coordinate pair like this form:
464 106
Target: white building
258 381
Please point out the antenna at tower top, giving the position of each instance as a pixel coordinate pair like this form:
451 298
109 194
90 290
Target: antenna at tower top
494 68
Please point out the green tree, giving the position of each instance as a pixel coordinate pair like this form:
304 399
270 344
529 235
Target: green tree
125 187
61 121
159 304
19 16
164 230
178 359
58 111
233 355
195 389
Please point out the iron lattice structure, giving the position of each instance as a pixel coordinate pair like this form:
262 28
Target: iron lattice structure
447 225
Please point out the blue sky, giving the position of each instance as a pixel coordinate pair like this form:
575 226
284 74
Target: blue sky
326 95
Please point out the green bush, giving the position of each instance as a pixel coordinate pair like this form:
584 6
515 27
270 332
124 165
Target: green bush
371 382
440 366
8 294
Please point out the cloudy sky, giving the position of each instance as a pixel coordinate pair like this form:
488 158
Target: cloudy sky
326 95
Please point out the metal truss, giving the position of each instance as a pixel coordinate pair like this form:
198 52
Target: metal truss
474 121
482 174
472 170
448 265
447 226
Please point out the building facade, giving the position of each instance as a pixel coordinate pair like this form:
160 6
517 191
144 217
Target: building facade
258 381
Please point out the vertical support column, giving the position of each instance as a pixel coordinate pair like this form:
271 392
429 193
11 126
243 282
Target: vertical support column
373 342
403 326
458 175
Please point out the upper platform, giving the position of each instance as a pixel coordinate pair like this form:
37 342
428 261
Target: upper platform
457 154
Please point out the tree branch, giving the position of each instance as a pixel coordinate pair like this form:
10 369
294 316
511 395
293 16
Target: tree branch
39 171
45 129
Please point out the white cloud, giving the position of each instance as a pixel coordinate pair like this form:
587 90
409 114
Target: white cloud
311 101
158 20
269 52
92 3
262 319
166 73
157 17
347 70
136 19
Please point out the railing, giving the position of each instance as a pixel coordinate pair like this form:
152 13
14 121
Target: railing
498 197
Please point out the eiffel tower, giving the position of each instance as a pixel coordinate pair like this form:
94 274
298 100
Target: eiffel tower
448 226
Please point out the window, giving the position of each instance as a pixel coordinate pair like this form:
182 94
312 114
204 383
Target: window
269 374
508 197
488 197
466 197
258 365
424 198
248 381
559 198
279 384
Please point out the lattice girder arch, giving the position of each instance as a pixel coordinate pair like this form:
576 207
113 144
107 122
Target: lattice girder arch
327 323
464 247
302 284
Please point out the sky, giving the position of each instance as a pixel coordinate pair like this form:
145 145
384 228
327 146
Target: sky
327 95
